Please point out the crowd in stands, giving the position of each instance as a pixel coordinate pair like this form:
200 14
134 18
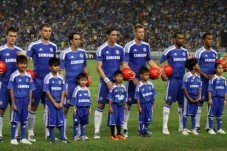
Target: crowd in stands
91 17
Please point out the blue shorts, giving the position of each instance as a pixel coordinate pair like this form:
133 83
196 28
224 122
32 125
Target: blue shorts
82 115
189 108
145 117
217 107
102 94
117 116
54 116
21 115
174 92
204 92
38 93
68 100
131 87
4 96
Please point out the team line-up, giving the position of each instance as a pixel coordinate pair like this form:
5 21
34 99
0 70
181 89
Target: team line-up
61 83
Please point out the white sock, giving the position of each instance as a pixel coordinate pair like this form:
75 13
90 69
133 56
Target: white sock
31 122
97 120
180 114
17 129
166 111
207 124
65 124
1 125
79 129
198 116
126 117
47 133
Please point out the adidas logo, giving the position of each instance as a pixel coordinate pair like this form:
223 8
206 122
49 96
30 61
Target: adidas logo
107 52
7 54
135 50
72 57
175 54
40 49
53 82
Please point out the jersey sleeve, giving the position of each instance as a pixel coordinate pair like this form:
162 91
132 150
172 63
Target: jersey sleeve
30 50
149 54
46 87
63 85
85 59
210 86
109 95
62 60
10 84
99 56
137 93
162 58
32 85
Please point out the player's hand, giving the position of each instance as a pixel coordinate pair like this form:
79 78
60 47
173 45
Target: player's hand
164 77
209 77
89 111
56 105
154 107
66 92
111 110
126 108
109 85
135 81
139 109
14 107
21 53
1 73
29 107
210 102
60 105
196 100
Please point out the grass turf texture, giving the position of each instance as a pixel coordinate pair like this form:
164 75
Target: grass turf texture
175 141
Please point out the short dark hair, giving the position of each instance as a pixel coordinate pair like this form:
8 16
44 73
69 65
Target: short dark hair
190 63
44 25
118 72
110 29
216 65
205 35
177 33
21 59
138 26
143 70
71 35
81 75
11 29
54 62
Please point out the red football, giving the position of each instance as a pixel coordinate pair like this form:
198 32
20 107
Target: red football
222 62
168 70
2 67
31 72
88 81
127 73
154 73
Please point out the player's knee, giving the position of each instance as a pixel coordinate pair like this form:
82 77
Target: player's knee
168 103
101 105
66 108
34 108
2 111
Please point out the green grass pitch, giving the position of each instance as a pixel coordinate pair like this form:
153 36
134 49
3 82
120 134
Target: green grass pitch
175 141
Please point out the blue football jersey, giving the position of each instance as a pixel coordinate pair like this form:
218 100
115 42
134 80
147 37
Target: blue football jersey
137 55
8 56
111 58
217 86
145 92
41 54
73 62
192 83
206 60
54 85
81 97
118 94
176 59
21 84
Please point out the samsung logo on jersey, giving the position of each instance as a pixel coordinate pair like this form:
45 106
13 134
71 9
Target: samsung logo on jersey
23 86
10 60
84 100
77 61
179 59
113 57
46 55
209 60
194 86
220 87
55 88
147 94
140 55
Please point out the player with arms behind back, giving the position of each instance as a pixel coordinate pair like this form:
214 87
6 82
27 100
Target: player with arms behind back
176 56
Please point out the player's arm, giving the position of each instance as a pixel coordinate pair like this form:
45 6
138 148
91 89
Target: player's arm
52 100
199 95
207 76
110 106
103 75
225 99
210 97
161 60
139 107
187 96
11 93
62 99
30 100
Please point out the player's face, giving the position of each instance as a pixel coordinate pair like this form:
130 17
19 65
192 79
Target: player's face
118 78
179 40
76 41
45 33
208 41
22 66
11 38
82 81
139 33
220 69
55 68
112 37
145 76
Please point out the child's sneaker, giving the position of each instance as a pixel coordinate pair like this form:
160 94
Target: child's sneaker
121 137
25 141
14 142
64 141
211 131
114 138
165 131
194 132
52 141
125 133
84 138
77 138
31 138
97 135
1 139
221 131
184 132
